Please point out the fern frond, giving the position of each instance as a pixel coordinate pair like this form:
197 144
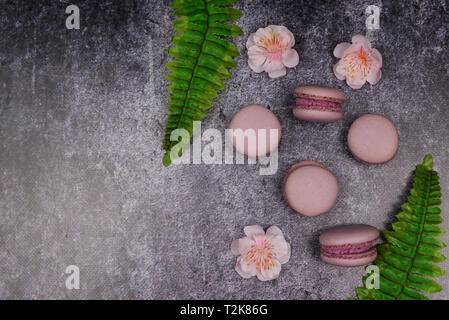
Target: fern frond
203 59
407 260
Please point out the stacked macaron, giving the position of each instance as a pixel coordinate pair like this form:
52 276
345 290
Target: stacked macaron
349 245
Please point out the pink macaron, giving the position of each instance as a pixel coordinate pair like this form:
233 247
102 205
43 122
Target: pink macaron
349 245
373 139
255 131
310 188
318 104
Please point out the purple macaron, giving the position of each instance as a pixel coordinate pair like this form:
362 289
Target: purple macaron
349 245
373 139
310 188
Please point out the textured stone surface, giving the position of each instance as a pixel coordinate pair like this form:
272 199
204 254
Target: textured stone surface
81 176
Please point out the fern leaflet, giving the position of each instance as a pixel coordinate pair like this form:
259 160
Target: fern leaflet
407 259
203 59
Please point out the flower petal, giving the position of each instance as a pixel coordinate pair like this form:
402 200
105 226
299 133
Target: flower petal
273 65
258 60
355 83
274 231
244 273
285 257
340 49
256 57
271 273
290 58
375 54
253 230
361 39
255 51
374 77
243 245
277 73
287 37
355 47
250 42
262 33
248 267
280 246
254 66
339 71
235 248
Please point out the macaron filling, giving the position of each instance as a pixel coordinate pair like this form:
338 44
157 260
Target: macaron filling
355 249
318 103
321 105
358 249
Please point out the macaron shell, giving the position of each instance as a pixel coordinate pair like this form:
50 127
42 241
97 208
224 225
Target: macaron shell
299 165
373 139
304 163
349 235
316 114
320 93
255 117
310 188
353 260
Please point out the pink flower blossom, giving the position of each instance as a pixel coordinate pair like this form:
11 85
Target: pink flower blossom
270 50
261 254
358 62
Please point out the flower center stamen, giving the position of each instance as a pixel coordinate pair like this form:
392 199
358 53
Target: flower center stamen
272 46
261 254
358 63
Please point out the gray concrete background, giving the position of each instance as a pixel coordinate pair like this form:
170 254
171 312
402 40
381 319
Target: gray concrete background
81 177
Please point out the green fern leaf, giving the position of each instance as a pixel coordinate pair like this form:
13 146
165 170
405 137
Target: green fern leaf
407 260
203 59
